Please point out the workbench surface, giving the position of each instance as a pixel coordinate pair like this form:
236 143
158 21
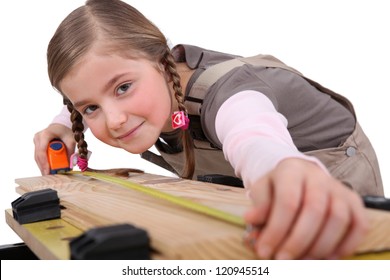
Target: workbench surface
175 232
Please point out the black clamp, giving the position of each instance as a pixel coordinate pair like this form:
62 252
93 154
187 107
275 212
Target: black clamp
118 242
377 202
36 206
221 179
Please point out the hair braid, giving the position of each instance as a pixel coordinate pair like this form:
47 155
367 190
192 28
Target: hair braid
170 67
77 128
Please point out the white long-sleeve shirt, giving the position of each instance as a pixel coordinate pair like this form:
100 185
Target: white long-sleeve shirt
254 135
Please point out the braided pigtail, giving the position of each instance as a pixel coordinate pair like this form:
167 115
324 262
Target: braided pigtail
188 145
78 131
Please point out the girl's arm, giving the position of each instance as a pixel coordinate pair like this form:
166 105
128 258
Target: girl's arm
254 135
63 118
299 210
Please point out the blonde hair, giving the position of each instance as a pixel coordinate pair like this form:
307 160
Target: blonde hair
127 32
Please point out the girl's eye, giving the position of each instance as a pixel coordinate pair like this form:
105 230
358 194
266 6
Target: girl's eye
123 88
90 109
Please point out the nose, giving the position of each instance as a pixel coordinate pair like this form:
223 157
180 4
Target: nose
115 119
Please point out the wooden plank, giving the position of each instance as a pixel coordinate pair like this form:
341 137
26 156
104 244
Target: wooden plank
176 233
47 239
378 237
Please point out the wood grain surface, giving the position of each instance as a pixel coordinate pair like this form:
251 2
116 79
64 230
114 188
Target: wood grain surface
175 232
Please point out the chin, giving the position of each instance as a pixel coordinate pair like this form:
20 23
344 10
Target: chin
138 150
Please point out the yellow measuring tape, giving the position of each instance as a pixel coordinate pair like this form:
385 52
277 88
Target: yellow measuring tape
189 204
200 208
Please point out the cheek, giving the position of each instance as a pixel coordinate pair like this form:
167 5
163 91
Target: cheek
99 131
160 105
98 134
160 115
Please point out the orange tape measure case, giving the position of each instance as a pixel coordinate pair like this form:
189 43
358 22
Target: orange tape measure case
57 157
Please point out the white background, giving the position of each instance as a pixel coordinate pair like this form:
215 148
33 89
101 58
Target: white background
343 45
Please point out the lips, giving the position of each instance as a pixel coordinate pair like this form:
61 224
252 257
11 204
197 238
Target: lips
129 133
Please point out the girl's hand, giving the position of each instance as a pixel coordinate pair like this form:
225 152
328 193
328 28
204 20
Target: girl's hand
42 139
305 213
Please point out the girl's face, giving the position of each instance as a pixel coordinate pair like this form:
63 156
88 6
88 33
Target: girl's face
125 102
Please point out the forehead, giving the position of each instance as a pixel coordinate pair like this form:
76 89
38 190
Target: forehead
97 69
101 52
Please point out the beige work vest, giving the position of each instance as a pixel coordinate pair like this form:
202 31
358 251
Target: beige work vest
354 162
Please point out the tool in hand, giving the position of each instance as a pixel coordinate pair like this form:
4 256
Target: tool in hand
57 157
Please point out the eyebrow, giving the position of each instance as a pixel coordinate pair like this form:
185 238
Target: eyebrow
113 81
108 85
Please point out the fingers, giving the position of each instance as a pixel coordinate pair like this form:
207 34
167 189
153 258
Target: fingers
307 226
305 213
357 231
40 153
69 143
42 139
334 230
345 227
285 205
262 198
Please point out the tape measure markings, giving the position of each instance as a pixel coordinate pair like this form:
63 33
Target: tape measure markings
189 204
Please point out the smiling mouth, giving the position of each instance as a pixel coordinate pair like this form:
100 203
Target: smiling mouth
129 133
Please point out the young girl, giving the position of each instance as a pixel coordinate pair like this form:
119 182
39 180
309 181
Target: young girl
296 146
